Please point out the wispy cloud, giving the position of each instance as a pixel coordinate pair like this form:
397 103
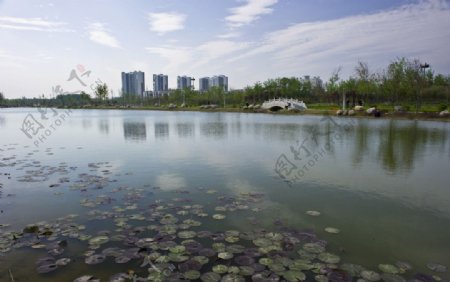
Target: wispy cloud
229 35
99 34
32 24
249 12
421 29
182 57
163 23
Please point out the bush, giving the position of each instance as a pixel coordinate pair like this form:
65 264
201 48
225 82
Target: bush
442 107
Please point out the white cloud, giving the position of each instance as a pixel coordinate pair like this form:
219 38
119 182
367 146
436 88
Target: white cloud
191 58
417 30
249 12
98 34
229 35
166 22
32 24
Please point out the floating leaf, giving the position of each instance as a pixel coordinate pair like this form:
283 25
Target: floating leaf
437 267
370 275
314 248
332 230
218 216
294 276
388 268
220 268
210 277
192 274
313 213
99 240
328 258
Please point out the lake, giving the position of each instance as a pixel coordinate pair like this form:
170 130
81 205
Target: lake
231 196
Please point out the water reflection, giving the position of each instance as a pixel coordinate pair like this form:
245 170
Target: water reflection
400 147
214 129
134 130
161 130
87 123
2 121
185 130
103 126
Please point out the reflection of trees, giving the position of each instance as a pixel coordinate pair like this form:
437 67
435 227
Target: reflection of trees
87 123
185 129
161 130
133 130
2 121
401 146
361 142
103 126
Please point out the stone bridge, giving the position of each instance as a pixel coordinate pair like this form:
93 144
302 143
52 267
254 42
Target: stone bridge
283 103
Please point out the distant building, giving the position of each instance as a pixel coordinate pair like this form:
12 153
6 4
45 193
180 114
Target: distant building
133 83
219 81
184 82
205 83
160 84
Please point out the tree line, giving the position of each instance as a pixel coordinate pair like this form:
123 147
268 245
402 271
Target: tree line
406 82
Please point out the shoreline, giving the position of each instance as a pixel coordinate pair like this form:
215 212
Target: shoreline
424 116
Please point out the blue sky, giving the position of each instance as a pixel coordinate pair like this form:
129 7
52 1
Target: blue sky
247 40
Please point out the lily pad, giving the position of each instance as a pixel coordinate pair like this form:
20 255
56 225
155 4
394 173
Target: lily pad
99 240
95 259
332 230
313 248
370 275
220 268
294 276
388 268
225 255
46 268
329 258
437 267
210 277
218 216
192 274
313 213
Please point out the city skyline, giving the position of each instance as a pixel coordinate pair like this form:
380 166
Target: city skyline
44 43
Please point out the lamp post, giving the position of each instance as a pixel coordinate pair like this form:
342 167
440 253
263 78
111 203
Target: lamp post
423 67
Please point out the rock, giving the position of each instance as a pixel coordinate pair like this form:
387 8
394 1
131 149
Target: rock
444 113
351 113
257 106
398 109
345 113
339 112
172 106
359 108
371 110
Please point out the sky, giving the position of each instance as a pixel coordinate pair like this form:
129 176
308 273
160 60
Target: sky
70 45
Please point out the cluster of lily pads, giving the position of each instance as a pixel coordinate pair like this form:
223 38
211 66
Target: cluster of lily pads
169 236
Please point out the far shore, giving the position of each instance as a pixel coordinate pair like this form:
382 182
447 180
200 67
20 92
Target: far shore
431 116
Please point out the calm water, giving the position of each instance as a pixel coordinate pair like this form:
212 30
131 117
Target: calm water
383 183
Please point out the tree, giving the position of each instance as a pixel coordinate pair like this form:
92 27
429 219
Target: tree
101 91
2 98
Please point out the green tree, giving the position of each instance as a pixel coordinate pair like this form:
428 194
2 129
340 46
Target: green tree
101 92
2 98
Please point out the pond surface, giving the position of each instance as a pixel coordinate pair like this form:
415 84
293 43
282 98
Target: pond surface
115 192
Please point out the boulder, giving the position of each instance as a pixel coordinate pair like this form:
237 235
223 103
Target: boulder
444 113
359 108
339 112
351 113
371 110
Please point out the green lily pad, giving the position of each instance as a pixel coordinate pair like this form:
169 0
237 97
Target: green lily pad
220 268
218 216
313 248
179 249
191 274
370 275
388 268
313 213
99 240
332 230
210 277
225 255
262 242
186 234
294 276
329 258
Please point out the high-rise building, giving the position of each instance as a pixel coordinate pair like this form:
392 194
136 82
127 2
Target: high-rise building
203 84
133 83
184 82
219 81
160 84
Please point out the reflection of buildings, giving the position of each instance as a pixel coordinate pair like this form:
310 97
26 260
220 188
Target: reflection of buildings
185 129
214 129
133 83
133 130
161 130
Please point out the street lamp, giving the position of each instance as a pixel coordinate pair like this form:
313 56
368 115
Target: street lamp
423 67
